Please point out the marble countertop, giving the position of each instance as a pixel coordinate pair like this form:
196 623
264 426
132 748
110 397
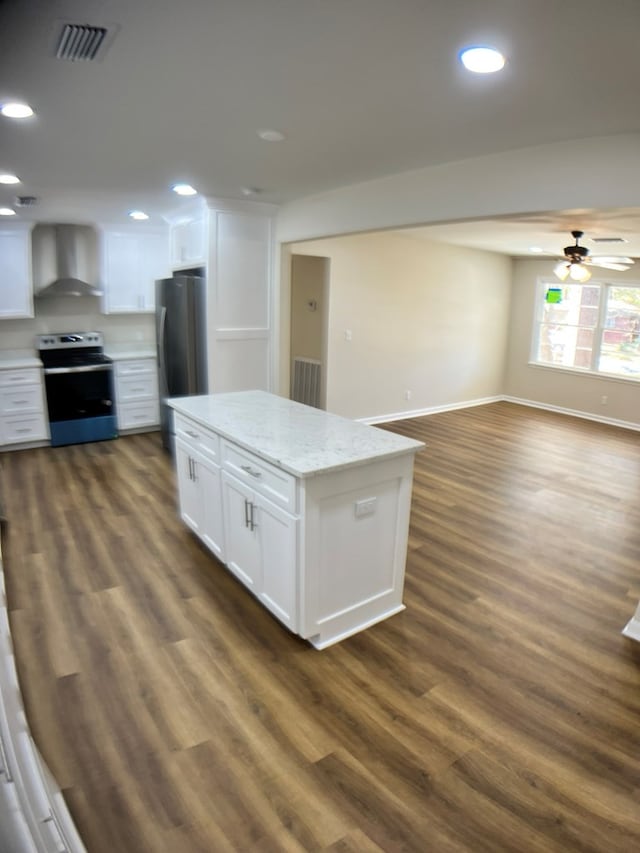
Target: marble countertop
18 358
299 439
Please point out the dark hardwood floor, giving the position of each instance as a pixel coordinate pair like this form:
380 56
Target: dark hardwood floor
499 712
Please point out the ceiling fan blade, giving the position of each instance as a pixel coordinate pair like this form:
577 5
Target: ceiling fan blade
611 259
609 266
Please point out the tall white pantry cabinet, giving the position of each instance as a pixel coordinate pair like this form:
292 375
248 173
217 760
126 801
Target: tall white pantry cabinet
233 242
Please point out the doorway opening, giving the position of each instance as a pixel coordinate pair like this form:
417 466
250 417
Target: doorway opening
309 329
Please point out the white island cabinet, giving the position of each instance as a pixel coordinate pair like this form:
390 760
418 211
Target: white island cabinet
309 510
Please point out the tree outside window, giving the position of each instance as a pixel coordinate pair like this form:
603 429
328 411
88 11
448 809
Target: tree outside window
593 327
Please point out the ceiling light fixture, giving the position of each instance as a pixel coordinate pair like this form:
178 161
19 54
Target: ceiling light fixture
138 215
536 250
7 211
575 270
271 135
9 179
16 110
184 189
482 60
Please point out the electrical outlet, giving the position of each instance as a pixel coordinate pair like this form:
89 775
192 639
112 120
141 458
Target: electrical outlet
604 399
366 506
347 334
407 395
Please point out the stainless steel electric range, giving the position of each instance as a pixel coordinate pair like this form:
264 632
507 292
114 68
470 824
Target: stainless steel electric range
78 379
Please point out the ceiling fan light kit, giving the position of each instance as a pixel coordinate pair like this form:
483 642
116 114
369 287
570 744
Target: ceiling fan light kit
576 262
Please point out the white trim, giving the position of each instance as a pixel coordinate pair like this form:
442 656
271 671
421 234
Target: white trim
468 404
632 628
583 371
432 410
574 413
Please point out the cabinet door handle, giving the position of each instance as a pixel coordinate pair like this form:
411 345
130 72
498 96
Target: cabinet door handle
193 464
246 513
249 470
252 522
52 818
190 468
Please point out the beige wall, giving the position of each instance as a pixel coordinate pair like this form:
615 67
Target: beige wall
550 386
424 317
307 306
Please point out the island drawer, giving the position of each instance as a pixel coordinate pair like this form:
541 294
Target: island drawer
276 485
197 437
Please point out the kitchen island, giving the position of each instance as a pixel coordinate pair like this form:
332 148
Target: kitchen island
309 510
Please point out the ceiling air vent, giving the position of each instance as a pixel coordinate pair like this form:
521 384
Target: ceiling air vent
78 42
608 240
26 201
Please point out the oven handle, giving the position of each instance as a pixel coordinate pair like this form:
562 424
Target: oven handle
82 368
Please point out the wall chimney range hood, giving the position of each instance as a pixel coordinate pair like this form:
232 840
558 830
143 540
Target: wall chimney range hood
64 260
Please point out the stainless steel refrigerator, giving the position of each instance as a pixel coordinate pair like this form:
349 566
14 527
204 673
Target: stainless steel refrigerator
182 342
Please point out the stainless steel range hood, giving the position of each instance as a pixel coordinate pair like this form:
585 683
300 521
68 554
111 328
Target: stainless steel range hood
64 261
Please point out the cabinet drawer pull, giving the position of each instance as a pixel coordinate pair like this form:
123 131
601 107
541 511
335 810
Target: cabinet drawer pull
52 818
249 470
5 762
192 434
20 402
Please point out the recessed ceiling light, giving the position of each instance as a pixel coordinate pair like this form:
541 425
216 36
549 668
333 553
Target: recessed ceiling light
536 249
482 60
9 179
249 191
16 110
271 135
138 214
7 211
184 189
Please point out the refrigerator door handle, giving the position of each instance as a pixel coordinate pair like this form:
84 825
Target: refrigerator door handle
161 352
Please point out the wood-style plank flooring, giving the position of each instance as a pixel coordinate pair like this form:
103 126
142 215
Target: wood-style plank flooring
499 712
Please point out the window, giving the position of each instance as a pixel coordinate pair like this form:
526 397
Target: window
593 327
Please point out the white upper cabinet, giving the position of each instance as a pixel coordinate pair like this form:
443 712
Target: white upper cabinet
132 260
239 287
16 291
189 243
243 259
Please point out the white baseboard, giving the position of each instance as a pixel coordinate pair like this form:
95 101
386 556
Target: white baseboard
574 413
431 410
467 404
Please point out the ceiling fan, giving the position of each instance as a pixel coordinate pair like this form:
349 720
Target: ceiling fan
577 260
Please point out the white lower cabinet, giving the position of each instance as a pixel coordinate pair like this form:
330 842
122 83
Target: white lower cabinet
261 542
22 406
136 387
33 814
199 494
325 553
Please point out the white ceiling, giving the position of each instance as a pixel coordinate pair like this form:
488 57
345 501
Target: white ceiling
360 88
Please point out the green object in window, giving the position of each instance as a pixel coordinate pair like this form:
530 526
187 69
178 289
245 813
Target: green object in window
554 294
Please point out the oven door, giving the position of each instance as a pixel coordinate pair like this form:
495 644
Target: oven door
80 403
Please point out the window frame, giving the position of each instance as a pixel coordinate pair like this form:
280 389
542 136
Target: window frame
543 283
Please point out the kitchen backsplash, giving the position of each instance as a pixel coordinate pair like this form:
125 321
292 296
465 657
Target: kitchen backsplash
74 315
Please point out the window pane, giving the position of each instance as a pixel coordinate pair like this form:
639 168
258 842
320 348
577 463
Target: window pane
567 330
620 346
569 346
